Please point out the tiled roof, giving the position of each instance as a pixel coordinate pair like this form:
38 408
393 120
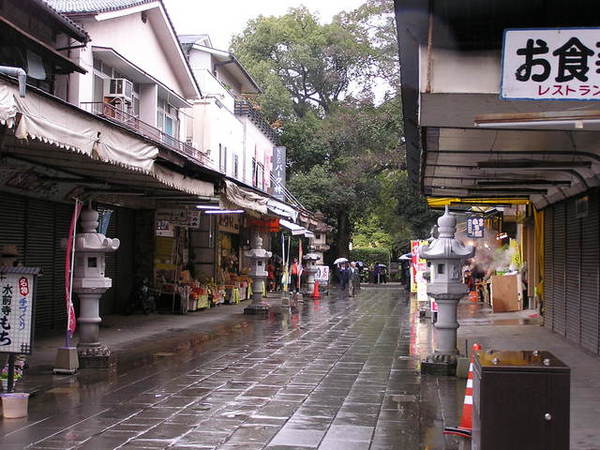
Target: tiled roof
93 6
75 30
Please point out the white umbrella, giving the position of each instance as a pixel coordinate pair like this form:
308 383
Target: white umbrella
340 260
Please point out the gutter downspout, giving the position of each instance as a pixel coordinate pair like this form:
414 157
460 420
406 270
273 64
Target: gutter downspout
18 73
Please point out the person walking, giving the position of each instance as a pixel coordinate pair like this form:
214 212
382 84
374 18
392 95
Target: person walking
344 277
354 279
295 272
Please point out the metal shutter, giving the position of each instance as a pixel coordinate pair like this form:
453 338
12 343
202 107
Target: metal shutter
590 277
39 252
559 266
573 273
548 268
12 221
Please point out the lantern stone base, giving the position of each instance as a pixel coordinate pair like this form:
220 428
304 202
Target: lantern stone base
439 364
66 361
95 357
261 308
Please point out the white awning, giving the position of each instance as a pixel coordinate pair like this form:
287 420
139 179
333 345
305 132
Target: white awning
296 230
247 199
50 121
281 209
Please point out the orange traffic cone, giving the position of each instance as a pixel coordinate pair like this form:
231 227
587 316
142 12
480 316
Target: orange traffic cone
466 421
316 294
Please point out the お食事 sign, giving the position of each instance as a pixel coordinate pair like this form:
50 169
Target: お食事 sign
551 64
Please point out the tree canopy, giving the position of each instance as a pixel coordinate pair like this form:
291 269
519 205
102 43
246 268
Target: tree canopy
345 149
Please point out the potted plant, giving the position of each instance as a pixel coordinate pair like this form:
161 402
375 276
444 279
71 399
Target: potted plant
14 405
19 365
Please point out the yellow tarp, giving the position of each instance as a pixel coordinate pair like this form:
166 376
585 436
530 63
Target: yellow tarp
438 202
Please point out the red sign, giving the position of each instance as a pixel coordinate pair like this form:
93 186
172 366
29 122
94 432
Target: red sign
23 286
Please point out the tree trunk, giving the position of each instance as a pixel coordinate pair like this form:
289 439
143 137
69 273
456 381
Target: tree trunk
343 234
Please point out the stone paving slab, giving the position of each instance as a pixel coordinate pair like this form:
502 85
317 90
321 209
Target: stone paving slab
340 374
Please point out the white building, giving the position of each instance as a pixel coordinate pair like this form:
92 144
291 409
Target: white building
226 127
137 73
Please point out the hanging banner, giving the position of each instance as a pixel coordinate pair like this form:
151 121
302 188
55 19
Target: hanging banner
322 274
278 172
16 316
418 267
71 319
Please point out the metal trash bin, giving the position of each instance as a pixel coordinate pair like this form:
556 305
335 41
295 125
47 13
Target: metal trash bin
520 401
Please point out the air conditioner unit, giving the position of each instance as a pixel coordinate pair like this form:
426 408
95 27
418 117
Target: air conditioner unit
119 88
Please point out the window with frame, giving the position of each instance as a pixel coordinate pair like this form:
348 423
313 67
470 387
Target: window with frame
235 165
167 118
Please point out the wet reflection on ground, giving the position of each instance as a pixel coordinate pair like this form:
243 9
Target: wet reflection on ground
342 373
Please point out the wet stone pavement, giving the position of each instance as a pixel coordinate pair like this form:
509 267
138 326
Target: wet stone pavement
341 374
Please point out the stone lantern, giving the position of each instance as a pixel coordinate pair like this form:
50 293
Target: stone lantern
310 267
446 255
258 272
89 283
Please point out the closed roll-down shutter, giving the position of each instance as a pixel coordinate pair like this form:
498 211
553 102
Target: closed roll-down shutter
559 278
573 273
548 268
590 277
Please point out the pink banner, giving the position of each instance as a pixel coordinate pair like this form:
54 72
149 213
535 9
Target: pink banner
71 319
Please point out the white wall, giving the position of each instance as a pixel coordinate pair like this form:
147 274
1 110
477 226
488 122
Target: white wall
135 41
453 71
213 126
258 146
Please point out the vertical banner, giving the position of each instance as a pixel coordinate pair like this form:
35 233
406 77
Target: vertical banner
69 260
279 163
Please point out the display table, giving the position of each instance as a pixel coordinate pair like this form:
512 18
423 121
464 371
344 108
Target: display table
506 293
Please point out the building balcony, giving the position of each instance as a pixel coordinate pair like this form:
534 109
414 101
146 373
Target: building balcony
146 130
244 108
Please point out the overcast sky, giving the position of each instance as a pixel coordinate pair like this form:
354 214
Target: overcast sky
221 19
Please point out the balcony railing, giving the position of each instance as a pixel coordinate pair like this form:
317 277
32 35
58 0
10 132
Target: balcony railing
244 108
148 131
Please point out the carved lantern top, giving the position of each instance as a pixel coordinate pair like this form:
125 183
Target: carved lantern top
446 246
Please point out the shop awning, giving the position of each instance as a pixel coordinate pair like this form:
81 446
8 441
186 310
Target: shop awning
281 209
98 147
296 230
440 202
246 199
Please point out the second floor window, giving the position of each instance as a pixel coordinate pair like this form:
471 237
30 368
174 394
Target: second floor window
167 118
222 158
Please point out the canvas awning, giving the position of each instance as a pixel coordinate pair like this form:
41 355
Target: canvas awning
85 141
296 230
282 210
246 199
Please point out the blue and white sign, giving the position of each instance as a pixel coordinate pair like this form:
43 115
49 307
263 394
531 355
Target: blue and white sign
551 64
475 227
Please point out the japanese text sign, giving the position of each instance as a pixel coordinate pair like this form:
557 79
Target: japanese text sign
279 161
16 293
322 274
551 64
475 227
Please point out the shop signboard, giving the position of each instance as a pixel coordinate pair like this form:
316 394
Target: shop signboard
229 223
475 227
418 267
16 314
551 64
322 274
278 172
